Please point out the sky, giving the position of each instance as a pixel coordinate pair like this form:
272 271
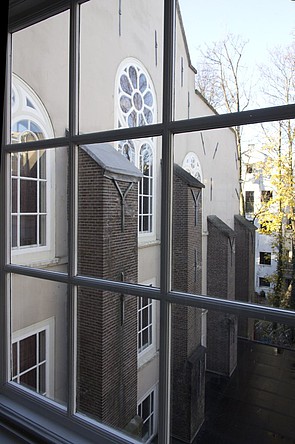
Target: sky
265 23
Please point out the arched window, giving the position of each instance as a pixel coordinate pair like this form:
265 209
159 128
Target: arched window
136 106
192 165
29 170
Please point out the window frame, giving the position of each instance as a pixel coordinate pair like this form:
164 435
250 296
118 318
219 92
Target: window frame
39 116
43 418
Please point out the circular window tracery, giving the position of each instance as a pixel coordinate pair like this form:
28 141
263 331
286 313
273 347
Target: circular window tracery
136 97
192 165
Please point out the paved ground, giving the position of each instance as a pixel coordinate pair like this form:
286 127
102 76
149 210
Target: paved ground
257 404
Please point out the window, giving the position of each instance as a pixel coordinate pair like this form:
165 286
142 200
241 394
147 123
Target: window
137 107
264 258
192 165
266 195
264 282
105 318
249 201
29 185
29 175
249 169
145 323
32 364
146 410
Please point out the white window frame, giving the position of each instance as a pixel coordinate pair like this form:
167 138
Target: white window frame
153 391
38 416
47 325
147 353
36 254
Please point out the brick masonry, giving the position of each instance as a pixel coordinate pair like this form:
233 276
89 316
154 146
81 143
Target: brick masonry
107 341
245 269
221 327
188 356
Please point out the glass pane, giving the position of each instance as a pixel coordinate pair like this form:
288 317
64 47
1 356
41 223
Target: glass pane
228 385
40 84
230 62
39 336
118 226
134 84
42 197
233 221
28 164
27 353
40 213
115 381
28 230
28 196
29 379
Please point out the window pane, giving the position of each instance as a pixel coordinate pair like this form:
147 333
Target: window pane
39 336
34 98
233 65
227 241
28 230
29 379
28 196
134 84
28 353
114 217
113 382
227 383
28 164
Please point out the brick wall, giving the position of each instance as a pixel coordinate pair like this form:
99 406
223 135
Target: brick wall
221 327
107 344
188 356
245 269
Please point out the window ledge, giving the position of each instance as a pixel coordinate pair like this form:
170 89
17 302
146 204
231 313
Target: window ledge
29 421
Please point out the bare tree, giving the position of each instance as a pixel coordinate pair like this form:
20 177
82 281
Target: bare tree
221 81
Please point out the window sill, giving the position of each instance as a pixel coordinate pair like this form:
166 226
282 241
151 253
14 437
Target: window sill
27 420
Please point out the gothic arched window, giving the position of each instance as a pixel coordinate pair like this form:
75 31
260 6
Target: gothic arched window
136 106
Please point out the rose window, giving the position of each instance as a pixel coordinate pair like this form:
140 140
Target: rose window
136 99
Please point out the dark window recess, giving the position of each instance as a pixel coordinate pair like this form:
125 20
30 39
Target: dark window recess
249 202
264 282
265 258
266 195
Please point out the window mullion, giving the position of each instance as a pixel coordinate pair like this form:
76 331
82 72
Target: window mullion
166 224
72 184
